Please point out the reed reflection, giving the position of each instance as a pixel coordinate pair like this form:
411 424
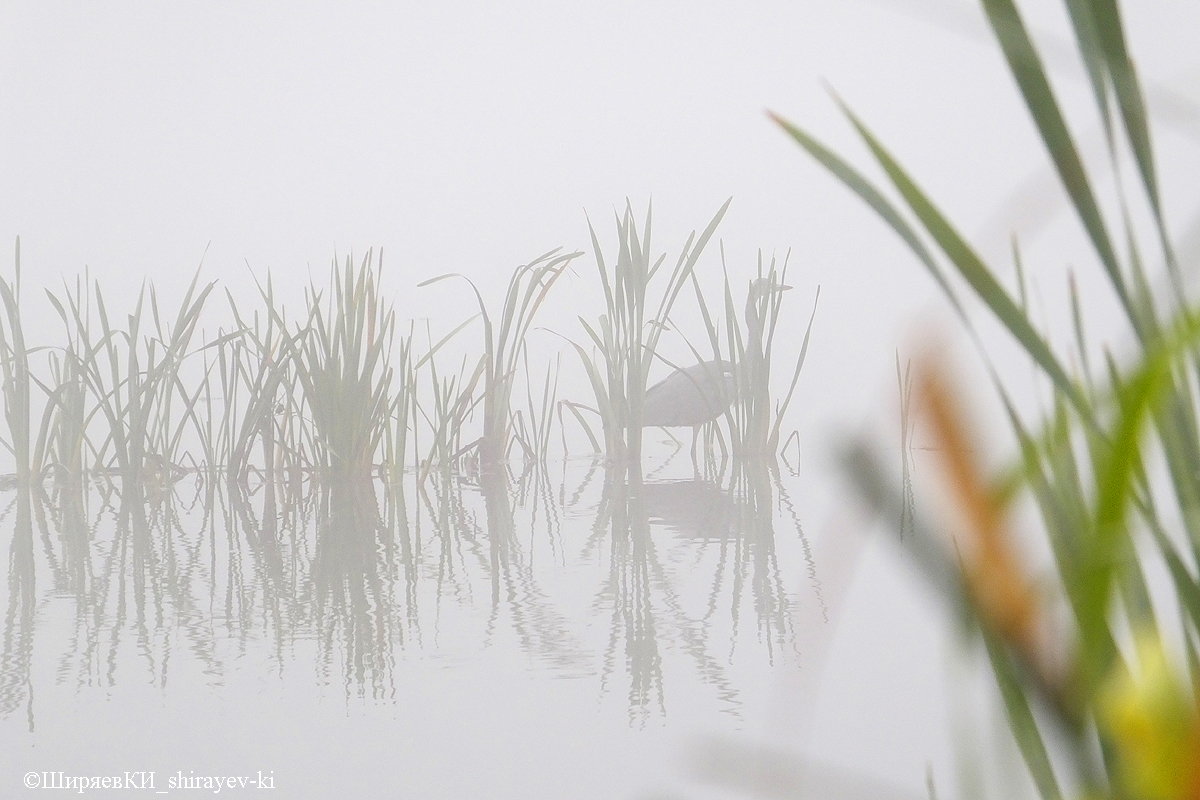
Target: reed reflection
326 562
722 534
518 512
283 568
754 559
627 591
355 571
16 656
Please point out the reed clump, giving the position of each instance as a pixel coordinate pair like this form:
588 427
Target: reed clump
14 369
625 337
504 346
755 420
330 396
342 362
133 377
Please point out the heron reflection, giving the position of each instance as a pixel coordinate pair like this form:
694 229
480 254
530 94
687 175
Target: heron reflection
696 510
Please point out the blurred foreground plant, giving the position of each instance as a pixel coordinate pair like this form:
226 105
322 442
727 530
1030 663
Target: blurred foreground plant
1128 720
1152 721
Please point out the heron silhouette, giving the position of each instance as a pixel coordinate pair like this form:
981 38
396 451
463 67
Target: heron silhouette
694 396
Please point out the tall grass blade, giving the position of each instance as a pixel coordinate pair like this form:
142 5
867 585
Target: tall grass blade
974 270
1083 22
14 368
1020 717
858 184
1026 67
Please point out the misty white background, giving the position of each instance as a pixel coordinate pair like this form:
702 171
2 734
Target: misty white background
139 139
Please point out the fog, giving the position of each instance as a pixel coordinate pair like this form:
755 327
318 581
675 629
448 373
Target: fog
143 141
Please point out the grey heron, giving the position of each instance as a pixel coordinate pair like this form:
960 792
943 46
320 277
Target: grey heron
695 395
690 397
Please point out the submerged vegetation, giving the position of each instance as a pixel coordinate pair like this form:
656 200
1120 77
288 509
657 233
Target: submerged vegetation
1098 679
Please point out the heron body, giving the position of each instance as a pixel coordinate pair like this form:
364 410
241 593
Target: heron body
691 396
696 395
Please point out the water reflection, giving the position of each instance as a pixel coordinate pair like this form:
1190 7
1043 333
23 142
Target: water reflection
17 654
737 521
693 509
627 592
600 574
517 600
353 588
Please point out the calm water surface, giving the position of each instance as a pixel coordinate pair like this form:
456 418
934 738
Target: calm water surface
555 634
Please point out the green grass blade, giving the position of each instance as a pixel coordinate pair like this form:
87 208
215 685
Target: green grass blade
858 184
1088 38
1021 721
972 268
1026 67
1107 21
1116 474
